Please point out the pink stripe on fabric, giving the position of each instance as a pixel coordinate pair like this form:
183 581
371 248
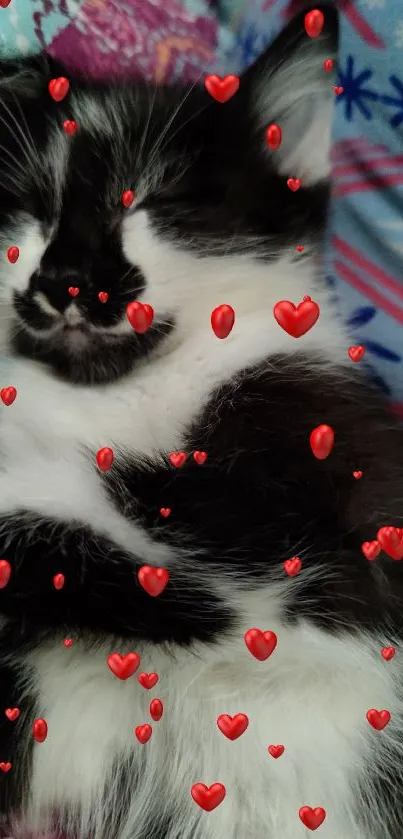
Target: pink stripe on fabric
378 299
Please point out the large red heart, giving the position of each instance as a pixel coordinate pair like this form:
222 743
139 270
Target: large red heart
59 88
275 751
153 580
148 680
232 727
391 541
208 798
260 644
311 817
123 666
378 719
296 320
222 89
5 572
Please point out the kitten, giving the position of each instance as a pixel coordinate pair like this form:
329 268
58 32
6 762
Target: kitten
213 222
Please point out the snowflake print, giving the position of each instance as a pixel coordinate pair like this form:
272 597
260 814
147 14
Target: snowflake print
354 93
395 101
399 34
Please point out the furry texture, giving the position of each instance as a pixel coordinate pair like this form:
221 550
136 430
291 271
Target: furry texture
213 222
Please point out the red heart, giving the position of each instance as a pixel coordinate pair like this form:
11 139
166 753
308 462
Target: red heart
356 353
153 580
143 733
275 751
300 248
292 566
328 65
12 713
13 253
338 90
200 457
314 22
5 572
156 709
232 727
208 798
296 320
165 512
391 541
378 719
7 395
5 767
70 126
123 666
59 581
357 475
177 459
312 818
148 680
127 198
274 136
140 316
4 3
371 549
40 730
222 89
294 184
104 458
260 644
68 642
222 321
103 296
73 290
388 652
322 441
59 88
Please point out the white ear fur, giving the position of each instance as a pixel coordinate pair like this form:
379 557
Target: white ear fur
297 94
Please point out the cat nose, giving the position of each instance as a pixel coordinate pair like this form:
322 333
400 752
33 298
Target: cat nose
59 287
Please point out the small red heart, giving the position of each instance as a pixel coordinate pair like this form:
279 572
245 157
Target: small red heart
7 395
300 248
143 733
328 65
140 316
103 296
5 767
312 818
40 730
275 751
222 89
73 290
156 709
371 550
296 320
357 475
12 713
314 22
104 458
59 88
68 642
123 666
294 184
13 253
232 727
378 719
200 457
127 198
177 459
70 126
338 90
222 321
153 580
59 581
148 680
208 798
391 541
274 136
260 644
292 566
165 512
322 441
356 353
388 652
5 572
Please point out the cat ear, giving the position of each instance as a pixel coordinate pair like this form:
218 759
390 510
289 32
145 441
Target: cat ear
290 86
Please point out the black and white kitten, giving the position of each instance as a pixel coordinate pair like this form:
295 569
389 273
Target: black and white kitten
213 222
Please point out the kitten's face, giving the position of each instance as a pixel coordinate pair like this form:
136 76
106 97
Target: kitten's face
207 200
